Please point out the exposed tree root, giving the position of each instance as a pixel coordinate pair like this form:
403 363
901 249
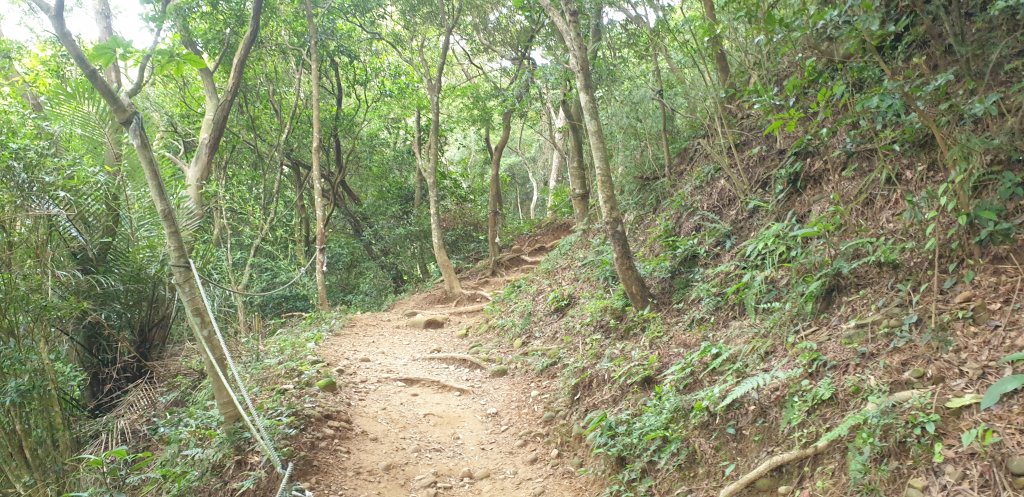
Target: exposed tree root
455 357
774 462
469 309
430 381
476 296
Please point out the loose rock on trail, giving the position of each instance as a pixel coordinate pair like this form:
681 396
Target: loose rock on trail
420 417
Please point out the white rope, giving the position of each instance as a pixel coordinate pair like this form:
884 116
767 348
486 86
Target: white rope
283 490
259 432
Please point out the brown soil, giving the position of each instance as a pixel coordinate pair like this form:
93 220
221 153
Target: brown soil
401 436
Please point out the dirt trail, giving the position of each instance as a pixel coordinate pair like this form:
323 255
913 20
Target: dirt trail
405 438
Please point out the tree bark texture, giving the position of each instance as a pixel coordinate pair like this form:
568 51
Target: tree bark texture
577 167
569 26
433 86
217 107
494 195
318 186
196 311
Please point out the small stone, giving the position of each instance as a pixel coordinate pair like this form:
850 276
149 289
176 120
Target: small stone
426 482
537 492
963 297
952 473
519 444
327 385
554 453
785 490
421 322
517 343
1018 483
1016 465
576 463
482 474
917 373
498 371
462 333
893 324
913 492
385 467
918 484
411 313
466 473
766 484
492 411
364 359
532 458
548 417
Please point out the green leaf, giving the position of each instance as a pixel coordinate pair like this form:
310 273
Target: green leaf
967 437
1005 385
193 60
1019 356
966 400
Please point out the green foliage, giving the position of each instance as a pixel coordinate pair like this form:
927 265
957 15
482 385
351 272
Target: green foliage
757 382
1000 388
803 399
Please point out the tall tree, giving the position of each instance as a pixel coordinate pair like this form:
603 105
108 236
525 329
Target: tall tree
717 48
318 186
128 116
412 45
216 104
567 22
578 181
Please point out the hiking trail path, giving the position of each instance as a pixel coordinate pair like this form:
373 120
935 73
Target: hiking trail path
391 430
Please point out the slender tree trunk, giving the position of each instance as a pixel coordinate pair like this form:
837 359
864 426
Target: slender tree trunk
535 187
577 167
721 61
318 193
494 195
557 157
519 202
301 217
113 157
433 85
217 106
665 152
569 27
196 311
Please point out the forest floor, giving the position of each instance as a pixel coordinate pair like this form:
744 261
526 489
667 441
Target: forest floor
408 421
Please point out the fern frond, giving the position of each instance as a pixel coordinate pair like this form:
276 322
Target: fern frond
758 382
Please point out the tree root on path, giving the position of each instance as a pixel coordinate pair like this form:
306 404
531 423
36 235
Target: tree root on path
469 309
455 357
774 462
430 381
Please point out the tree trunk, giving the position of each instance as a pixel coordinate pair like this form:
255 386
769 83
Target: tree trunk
433 85
196 311
318 192
577 168
569 27
666 154
557 157
217 106
721 61
494 195
535 187
301 217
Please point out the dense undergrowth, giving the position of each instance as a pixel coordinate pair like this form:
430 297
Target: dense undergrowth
170 442
857 234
